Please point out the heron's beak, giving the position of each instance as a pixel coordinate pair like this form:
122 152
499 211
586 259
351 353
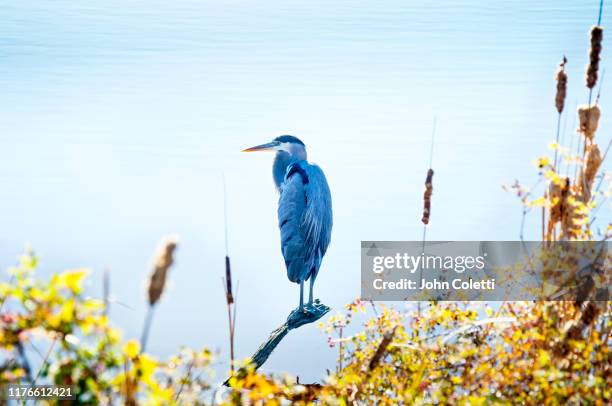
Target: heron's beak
271 146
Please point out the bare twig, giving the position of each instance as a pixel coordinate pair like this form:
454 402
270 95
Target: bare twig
382 349
178 393
45 360
106 291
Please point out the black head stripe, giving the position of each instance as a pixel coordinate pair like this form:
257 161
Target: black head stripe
289 138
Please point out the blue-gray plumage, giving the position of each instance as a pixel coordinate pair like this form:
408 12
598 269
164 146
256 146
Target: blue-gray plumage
304 210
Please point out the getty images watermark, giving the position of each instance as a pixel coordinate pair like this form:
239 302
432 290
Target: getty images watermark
485 270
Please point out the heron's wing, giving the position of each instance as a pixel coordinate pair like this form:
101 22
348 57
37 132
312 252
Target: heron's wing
317 221
291 209
305 219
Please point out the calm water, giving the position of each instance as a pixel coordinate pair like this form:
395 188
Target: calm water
118 119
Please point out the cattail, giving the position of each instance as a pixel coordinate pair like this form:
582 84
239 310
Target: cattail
555 191
589 120
571 215
558 192
427 196
554 210
593 66
575 328
231 308
592 162
561 86
162 263
229 296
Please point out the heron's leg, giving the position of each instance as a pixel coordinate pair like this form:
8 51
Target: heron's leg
301 295
310 293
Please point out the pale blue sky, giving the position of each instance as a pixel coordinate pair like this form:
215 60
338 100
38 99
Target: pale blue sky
118 118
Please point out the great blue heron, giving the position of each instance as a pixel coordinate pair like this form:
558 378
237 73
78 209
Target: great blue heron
304 211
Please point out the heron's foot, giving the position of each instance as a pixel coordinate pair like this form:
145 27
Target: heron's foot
308 313
314 306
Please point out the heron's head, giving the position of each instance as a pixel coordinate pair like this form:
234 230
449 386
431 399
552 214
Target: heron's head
285 144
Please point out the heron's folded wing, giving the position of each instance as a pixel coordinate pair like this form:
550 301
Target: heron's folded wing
291 209
317 221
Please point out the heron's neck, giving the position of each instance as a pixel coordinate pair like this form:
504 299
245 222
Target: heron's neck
281 162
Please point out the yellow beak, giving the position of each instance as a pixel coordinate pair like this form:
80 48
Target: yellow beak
271 146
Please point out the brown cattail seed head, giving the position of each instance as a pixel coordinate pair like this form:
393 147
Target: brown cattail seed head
569 212
561 86
162 263
427 196
229 295
595 51
571 217
589 120
557 192
592 162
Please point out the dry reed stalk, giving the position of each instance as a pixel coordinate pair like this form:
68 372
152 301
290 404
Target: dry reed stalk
427 196
589 120
230 300
594 56
544 217
426 212
106 291
130 387
561 77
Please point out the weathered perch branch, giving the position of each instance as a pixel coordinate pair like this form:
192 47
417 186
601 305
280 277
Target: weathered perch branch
296 319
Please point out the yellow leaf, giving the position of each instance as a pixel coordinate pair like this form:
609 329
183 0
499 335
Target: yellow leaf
543 358
67 311
543 162
539 202
5 289
131 349
113 335
73 280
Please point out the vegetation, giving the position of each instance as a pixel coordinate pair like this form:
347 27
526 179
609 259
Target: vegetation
543 352
460 353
